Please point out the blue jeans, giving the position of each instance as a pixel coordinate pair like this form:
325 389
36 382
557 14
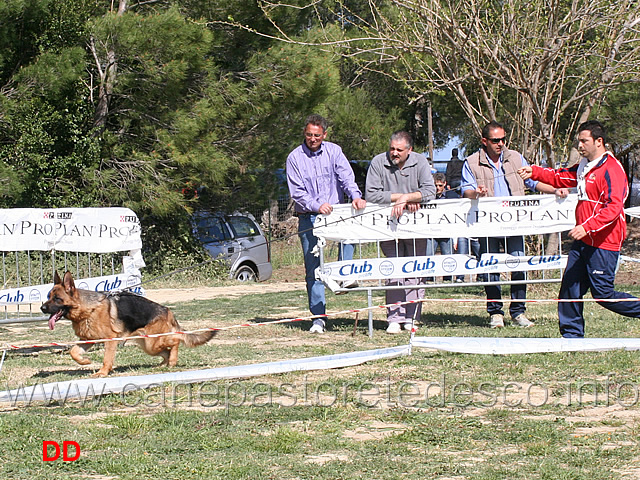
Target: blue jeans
345 251
514 246
463 246
315 288
446 248
590 268
445 244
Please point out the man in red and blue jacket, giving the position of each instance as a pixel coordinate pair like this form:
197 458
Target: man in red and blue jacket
599 232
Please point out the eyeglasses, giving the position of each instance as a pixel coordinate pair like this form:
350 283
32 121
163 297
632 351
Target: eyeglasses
313 135
496 141
439 184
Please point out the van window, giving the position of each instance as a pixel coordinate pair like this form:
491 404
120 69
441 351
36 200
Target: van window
243 227
212 229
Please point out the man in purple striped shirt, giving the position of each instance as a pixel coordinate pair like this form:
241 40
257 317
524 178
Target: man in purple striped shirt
319 175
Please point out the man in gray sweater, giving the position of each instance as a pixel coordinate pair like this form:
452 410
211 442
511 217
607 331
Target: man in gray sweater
401 177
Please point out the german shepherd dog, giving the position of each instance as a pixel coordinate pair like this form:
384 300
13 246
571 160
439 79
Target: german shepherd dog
96 315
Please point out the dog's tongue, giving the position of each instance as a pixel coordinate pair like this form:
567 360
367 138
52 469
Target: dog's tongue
54 318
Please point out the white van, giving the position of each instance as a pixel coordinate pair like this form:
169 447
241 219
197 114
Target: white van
238 239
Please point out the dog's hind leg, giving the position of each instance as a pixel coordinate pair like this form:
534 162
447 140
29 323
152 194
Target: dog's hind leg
109 356
77 353
173 355
165 358
170 356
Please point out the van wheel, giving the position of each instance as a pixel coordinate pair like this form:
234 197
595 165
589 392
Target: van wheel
246 274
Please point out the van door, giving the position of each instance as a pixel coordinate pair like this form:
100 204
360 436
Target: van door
252 243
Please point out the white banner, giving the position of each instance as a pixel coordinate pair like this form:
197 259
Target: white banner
437 266
93 230
510 346
486 217
633 212
107 283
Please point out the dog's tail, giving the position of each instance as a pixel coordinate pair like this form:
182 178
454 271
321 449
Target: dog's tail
195 339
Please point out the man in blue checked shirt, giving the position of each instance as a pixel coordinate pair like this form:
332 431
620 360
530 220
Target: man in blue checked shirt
319 176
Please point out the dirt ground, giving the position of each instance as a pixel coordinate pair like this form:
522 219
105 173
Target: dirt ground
171 295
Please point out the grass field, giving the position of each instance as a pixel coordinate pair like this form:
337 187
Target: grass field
430 415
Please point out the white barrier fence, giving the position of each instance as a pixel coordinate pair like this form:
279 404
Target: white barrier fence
87 241
529 215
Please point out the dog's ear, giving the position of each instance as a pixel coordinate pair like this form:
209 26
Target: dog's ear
56 278
69 285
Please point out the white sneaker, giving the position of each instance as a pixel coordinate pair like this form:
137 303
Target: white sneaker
316 328
349 284
407 326
523 321
394 327
496 321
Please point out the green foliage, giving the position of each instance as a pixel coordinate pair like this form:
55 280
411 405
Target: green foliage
170 249
143 108
357 127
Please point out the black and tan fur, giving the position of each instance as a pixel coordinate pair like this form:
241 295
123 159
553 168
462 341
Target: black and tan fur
96 315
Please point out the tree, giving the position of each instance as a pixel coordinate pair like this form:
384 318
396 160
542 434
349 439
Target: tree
540 66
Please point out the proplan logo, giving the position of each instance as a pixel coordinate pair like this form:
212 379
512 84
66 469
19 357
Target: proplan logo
521 203
58 215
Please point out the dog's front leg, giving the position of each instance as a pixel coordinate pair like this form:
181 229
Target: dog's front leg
109 356
77 353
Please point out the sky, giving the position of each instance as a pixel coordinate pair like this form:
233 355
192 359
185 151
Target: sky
444 154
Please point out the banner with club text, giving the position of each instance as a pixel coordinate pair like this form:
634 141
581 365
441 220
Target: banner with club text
437 266
90 230
485 217
108 283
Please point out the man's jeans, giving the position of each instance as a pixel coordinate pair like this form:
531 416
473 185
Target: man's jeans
463 249
514 246
446 248
315 288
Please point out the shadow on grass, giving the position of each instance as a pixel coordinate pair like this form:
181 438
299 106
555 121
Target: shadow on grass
448 320
87 371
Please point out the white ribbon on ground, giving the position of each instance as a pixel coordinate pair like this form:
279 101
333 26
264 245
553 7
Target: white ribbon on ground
88 388
506 346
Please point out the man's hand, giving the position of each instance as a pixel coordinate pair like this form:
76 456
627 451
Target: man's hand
525 172
359 203
481 191
413 207
562 192
398 207
578 232
325 209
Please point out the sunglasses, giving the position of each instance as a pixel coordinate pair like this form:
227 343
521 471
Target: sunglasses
439 184
495 141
